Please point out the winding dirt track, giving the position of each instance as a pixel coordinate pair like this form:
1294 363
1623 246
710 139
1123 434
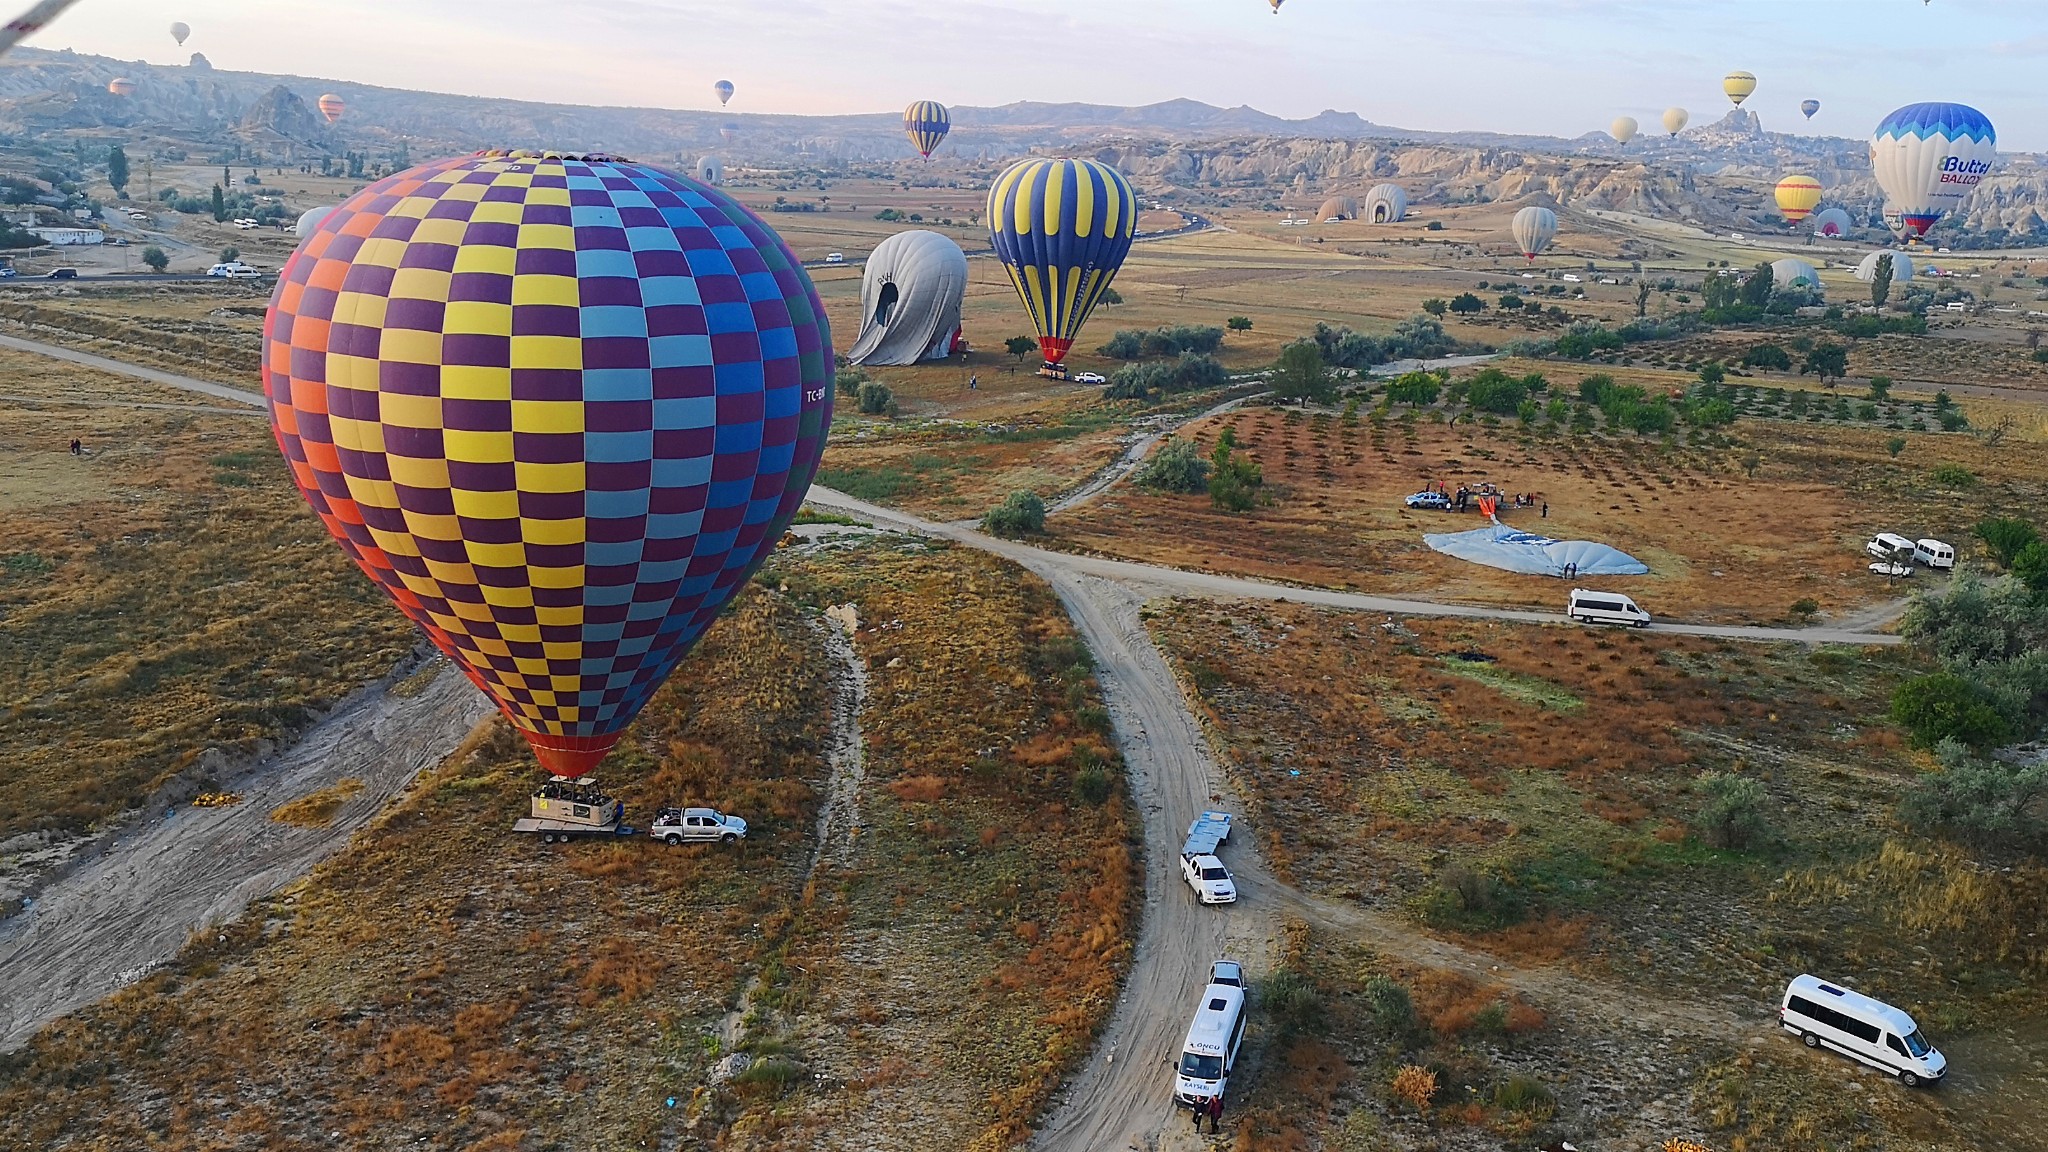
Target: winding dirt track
113 918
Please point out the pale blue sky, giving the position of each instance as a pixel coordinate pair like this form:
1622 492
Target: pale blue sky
1552 66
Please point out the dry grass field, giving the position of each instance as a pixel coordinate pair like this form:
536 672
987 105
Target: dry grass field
444 981
170 606
1533 792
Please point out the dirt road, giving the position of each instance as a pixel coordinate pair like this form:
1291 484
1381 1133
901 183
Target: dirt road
113 918
123 368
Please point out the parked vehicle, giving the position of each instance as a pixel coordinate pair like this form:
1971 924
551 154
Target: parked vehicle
1891 568
1590 607
685 825
1200 866
1824 1015
835 257
1886 545
234 270
1227 972
1090 378
568 809
62 274
1431 501
7 272
1210 1052
1934 554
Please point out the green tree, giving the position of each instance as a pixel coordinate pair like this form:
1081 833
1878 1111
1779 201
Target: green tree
1493 390
1768 356
2030 564
1711 373
230 254
1895 445
1020 514
1301 374
1178 466
1733 815
1415 389
1239 323
2006 537
1988 802
220 205
1234 479
1112 297
1828 360
1945 706
1881 280
1756 290
1435 307
1465 303
1511 302
1642 299
1019 346
117 170
155 259
1880 388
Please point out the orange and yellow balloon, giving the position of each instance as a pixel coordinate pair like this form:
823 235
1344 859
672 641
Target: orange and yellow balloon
332 106
1798 196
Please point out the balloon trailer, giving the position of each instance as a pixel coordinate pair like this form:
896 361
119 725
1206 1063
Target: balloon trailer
568 808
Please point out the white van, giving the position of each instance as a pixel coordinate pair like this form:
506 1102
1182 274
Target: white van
1934 553
1211 1048
1823 1015
1886 545
1590 607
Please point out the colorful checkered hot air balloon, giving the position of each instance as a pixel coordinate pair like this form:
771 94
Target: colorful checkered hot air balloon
1062 228
926 123
560 408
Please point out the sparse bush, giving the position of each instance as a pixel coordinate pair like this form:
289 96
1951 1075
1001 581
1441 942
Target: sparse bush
1895 445
1415 1086
1768 356
1732 816
1984 801
1525 1095
1192 370
1952 476
1092 786
876 399
1178 466
847 381
1393 1009
1469 900
2006 537
1804 608
1020 514
1166 340
1946 706
1234 480
1293 1001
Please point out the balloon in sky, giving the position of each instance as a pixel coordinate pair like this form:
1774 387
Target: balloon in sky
1738 86
559 408
1809 107
1832 222
1623 129
1929 157
121 86
728 132
926 123
724 90
1675 120
1276 5
31 22
1062 228
332 106
1798 196
179 31
1533 228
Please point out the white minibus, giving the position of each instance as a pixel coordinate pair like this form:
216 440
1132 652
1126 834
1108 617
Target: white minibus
1211 1048
1826 1015
1590 607
1886 545
1934 553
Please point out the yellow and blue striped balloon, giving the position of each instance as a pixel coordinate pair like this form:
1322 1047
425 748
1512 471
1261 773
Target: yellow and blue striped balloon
1062 228
926 123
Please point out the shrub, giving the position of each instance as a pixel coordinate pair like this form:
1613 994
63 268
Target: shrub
1293 1001
1465 302
1493 390
1525 1094
1414 1085
1142 381
1895 445
1092 786
876 399
2006 537
1805 607
1768 356
1020 514
847 381
1945 706
1417 389
1988 802
1234 480
1131 343
1953 476
1178 466
1732 816
1393 1010
1464 899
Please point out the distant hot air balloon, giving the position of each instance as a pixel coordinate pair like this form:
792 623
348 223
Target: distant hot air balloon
1832 222
1738 86
728 132
310 219
1798 195
1062 228
1787 273
710 170
179 31
1675 120
724 90
121 86
1623 129
1276 5
1384 204
563 484
1533 228
1929 157
1809 107
31 22
926 123
1902 267
332 106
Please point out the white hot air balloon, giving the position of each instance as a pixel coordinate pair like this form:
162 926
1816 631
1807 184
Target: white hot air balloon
1928 158
1788 272
1831 222
309 220
1384 204
1623 129
1902 267
1533 228
179 31
1675 120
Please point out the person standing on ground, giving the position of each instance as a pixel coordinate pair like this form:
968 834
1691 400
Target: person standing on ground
77 448
1201 1107
973 382
1546 510
1215 1111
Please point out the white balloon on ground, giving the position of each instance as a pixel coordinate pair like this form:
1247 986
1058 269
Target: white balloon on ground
310 219
1787 272
1384 204
1902 267
910 296
1533 229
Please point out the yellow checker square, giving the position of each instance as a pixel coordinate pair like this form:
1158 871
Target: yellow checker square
491 645
553 196
485 506
511 555
569 531
476 317
429 526
562 352
549 478
531 666
402 410
394 543
547 416
518 633
559 616
358 436
494 212
440 230
569 685
495 595
420 284
474 382
363 309
557 236
450 573
466 447
378 252
471 614
358 373
563 578
542 698
571 650
539 288
414 207
411 346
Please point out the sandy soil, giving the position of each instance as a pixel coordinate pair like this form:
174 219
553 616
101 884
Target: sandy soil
118 915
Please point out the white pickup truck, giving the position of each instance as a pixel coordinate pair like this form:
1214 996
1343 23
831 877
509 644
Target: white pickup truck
1199 864
684 825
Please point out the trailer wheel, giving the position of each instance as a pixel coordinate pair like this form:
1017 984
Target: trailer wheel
547 837
1809 1039
672 839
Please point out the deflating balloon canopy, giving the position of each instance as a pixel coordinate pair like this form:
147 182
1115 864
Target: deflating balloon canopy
1533 228
926 123
1832 222
310 219
1062 228
1928 158
560 408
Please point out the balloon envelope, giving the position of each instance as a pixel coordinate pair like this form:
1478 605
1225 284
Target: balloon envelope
1902 267
1809 107
710 170
1738 86
1797 196
1675 120
1338 208
1928 158
180 30
332 106
926 123
559 408
121 86
1623 129
724 90
1533 228
1385 204
1788 272
1832 222
310 219
1061 228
